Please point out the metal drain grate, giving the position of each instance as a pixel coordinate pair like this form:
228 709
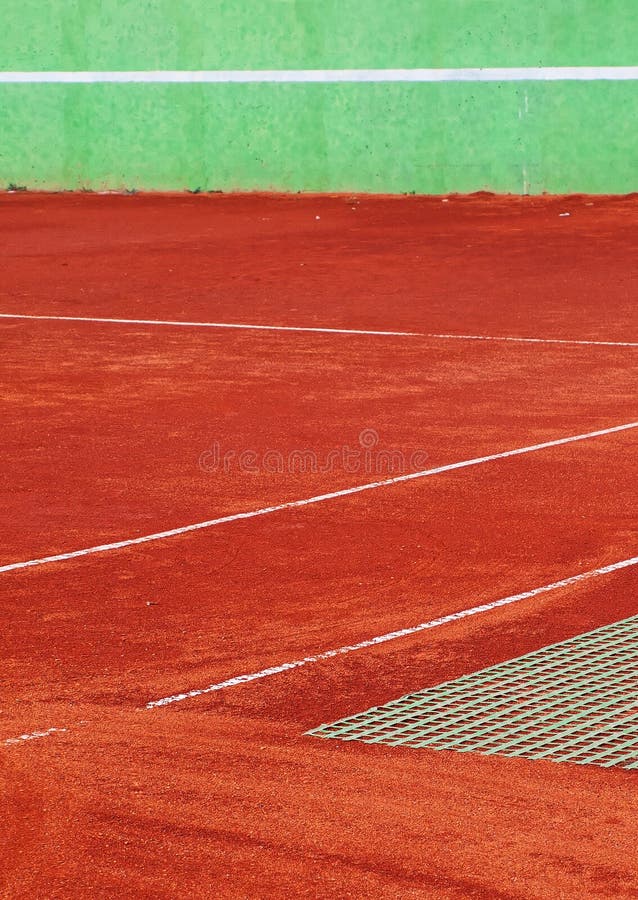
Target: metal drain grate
576 701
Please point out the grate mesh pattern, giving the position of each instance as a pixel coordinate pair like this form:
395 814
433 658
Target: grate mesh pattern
576 701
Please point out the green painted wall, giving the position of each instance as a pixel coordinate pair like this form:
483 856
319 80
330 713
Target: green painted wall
557 137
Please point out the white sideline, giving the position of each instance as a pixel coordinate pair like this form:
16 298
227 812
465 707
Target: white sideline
249 327
326 76
393 635
320 498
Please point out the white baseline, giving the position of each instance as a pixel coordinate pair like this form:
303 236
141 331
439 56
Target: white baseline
320 330
393 635
326 76
308 501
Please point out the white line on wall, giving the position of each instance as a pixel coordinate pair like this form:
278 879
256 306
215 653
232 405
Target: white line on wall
302 328
327 76
393 635
308 501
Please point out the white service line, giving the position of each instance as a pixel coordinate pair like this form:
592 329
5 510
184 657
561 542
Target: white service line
319 498
325 76
251 327
393 635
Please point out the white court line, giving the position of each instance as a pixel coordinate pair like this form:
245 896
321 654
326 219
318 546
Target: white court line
393 635
530 340
361 645
320 498
326 76
213 325
34 736
445 337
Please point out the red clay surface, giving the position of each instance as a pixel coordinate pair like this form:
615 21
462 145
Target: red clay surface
107 433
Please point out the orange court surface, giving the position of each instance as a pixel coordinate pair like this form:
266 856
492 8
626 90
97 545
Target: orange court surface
270 461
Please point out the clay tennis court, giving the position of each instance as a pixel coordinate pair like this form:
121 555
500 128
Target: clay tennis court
186 499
